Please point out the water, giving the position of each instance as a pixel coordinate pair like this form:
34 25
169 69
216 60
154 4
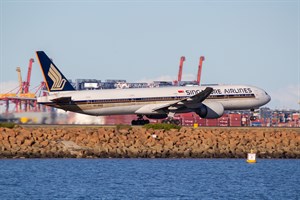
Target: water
149 179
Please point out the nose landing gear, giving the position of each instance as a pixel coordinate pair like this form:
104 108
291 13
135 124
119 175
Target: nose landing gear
252 117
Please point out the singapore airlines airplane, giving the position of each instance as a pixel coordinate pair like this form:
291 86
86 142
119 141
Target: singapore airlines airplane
154 103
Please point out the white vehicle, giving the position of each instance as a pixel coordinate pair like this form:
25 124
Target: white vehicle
154 103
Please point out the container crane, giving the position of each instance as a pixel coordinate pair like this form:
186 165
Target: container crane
20 80
200 69
22 99
27 83
182 59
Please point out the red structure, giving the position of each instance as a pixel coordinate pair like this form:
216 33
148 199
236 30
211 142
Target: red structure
22 100
182 59
200 69
27 83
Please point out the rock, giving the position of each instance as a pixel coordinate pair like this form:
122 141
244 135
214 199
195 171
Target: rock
44 143
139 142
6 145
28 142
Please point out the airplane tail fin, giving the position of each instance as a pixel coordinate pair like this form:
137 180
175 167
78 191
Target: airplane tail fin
55 80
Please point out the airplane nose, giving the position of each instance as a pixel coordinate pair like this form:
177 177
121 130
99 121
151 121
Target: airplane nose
268 98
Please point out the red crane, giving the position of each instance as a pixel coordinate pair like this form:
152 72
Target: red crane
182 59
200 69
27 83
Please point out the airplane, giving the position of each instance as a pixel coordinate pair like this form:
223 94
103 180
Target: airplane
154 103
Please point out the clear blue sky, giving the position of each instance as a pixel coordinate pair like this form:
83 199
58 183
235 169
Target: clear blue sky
244 42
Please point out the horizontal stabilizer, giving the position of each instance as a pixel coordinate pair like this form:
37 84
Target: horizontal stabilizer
62 100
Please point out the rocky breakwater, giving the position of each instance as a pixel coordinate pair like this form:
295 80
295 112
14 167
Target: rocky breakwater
138 142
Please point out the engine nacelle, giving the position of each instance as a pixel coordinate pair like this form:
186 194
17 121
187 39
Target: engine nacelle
158 116
210 110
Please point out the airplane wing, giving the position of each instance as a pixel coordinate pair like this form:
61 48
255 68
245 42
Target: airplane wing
190 102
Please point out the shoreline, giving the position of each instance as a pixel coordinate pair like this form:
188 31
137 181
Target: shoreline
138 142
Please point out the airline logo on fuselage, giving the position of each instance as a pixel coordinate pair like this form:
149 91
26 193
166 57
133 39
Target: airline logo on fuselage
225 91
55 76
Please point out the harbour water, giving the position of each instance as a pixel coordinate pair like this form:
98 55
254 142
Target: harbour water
149 179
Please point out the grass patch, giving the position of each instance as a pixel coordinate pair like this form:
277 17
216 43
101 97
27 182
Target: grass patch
7 124
166 127
122 126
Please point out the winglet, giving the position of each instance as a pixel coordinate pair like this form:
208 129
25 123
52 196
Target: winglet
204 94
55 80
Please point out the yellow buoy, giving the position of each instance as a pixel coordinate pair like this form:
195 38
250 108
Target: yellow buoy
251 157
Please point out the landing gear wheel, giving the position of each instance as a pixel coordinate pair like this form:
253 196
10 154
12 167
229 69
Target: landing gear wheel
171 121
253 118
176 122
139 122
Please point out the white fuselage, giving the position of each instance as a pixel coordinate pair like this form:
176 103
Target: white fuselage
144 100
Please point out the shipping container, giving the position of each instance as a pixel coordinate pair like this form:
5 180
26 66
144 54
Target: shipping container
235 116
256 124
223 121
187 119
212 122
235 119
295 116
200 121
235 124
183 115
245 120
223 124
187 122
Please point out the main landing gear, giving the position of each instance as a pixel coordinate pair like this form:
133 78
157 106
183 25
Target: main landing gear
170 120
140 121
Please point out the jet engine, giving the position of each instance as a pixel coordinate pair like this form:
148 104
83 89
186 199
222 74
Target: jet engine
210 110
158 116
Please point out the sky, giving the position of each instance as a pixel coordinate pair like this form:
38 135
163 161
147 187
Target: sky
244 42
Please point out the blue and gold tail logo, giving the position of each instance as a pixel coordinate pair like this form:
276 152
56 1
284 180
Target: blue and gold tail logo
58 81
